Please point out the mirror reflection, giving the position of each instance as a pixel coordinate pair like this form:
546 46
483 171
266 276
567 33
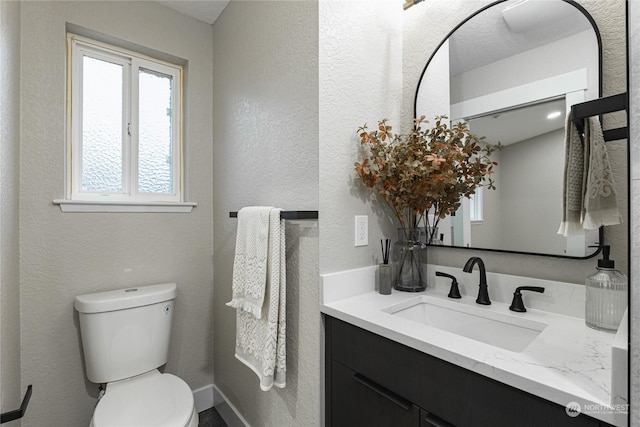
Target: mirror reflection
505 71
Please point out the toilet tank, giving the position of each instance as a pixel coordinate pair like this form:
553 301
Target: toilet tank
125 332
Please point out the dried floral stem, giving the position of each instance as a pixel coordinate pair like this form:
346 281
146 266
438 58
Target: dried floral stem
424 174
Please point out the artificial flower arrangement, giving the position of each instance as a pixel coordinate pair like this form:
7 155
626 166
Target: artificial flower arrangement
424 174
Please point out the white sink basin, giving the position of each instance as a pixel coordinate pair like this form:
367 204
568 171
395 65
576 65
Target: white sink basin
510 332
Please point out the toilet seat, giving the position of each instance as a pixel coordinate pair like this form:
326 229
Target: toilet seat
151 399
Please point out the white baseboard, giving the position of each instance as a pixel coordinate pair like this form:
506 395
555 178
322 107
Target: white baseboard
209 396
205 398
228 412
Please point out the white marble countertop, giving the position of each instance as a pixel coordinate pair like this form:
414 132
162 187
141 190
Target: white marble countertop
567 362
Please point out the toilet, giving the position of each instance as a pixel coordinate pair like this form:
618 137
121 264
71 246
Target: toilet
125 339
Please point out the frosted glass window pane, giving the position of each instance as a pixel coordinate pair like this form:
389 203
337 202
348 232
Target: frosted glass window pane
101 125
155 145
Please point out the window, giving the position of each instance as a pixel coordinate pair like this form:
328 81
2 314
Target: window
475 205
124 126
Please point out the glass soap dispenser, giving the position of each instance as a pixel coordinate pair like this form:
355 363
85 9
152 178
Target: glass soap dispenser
606 295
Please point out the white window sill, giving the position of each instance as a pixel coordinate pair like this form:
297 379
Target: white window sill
477 221
103 206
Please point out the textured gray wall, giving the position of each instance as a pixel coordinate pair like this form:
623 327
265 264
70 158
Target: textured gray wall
64 255
10 387
266 153
360 82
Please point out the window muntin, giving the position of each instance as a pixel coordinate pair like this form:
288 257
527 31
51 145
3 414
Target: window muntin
125 121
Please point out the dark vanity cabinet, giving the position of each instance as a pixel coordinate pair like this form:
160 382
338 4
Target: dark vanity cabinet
356 400
374 381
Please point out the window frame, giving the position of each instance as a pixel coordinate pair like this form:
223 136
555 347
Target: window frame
76 199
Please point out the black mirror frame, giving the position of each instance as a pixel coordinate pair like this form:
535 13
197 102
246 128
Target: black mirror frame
600 241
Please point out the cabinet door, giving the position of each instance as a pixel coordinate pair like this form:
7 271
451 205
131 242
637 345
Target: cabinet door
358 401
428 419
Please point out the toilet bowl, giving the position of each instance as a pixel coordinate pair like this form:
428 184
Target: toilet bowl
151 399
125 338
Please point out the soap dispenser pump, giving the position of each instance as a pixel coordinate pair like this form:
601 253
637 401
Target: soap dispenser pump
606 298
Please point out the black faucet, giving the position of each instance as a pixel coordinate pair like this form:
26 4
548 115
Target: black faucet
517 304
454 291
483 294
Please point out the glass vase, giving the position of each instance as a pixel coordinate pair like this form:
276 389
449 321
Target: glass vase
433 237
409 258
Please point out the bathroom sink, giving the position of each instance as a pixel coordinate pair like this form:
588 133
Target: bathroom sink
506 331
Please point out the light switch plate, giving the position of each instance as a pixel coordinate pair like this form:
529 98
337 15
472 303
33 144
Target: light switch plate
362 230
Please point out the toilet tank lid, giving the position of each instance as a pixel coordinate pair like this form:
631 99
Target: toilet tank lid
136 296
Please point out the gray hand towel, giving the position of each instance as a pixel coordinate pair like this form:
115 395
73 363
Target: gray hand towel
574 181
589 194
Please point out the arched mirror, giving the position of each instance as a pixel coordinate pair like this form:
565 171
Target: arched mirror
512 71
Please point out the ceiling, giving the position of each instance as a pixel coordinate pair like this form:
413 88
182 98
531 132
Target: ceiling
491 28
519 124
503 31
203 10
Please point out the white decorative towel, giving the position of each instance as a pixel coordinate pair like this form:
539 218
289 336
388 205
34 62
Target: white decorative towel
250 261
590 198
261 339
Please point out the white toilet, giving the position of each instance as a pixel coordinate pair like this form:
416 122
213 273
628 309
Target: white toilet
125 338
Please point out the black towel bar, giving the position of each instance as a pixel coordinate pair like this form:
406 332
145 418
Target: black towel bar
18 413
289 214
600 106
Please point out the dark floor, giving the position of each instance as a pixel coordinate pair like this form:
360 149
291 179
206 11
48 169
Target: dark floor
211 418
